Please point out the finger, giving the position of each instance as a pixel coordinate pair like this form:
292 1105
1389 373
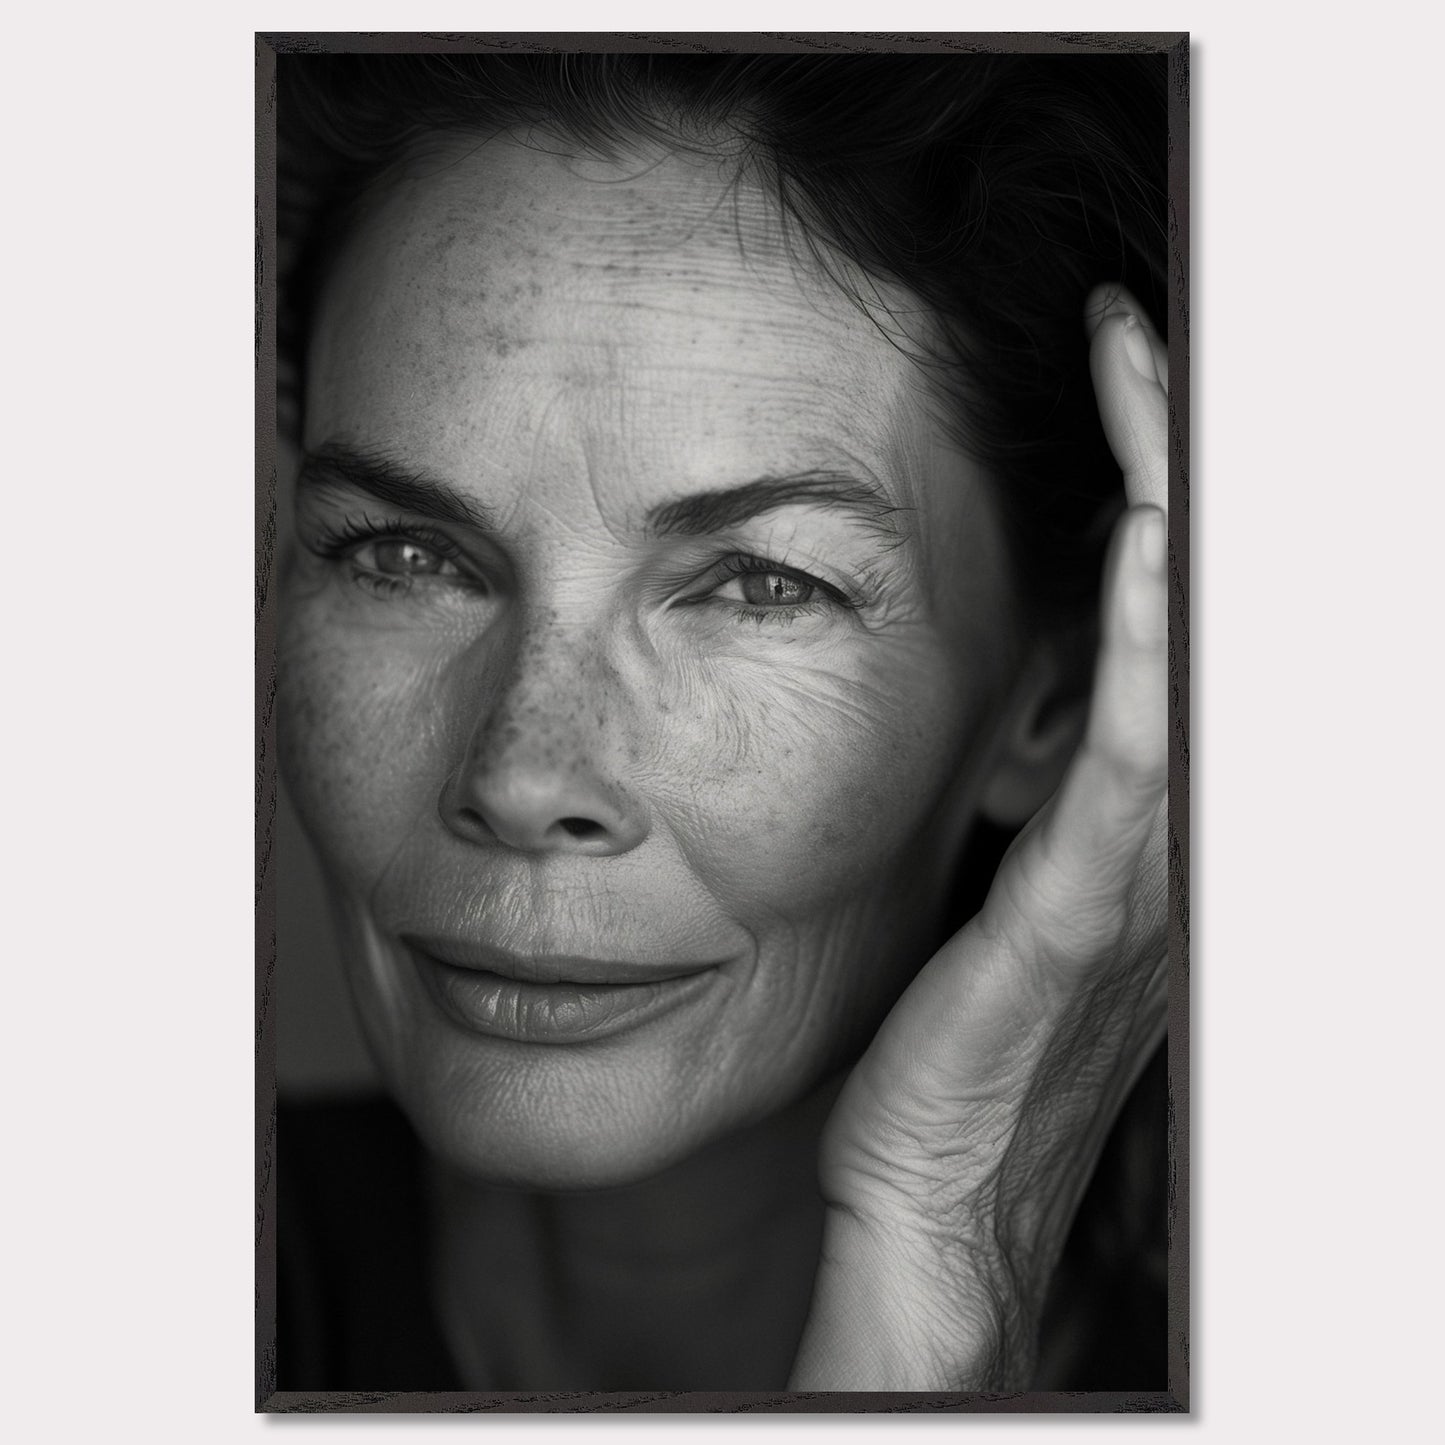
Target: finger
1065 889
1133 409
1127 714
1116 300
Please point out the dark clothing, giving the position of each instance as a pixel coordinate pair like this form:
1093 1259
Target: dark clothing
353 1253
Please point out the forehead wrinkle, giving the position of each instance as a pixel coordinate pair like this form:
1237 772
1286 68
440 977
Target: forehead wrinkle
621 239
685 209
545 204
571 467
474 263
843 381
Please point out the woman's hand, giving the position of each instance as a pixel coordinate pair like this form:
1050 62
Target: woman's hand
958 1150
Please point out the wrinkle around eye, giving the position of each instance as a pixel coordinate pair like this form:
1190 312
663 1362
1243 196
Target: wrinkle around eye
825 702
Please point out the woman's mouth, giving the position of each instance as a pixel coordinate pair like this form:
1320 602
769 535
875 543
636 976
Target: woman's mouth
551 998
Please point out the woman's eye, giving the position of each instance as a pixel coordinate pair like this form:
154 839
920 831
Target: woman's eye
388 559
761 591
767 589
398 557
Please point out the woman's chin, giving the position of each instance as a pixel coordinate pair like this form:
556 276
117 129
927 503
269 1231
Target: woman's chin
513 1152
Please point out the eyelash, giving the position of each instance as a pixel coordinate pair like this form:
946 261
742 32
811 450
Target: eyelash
342 539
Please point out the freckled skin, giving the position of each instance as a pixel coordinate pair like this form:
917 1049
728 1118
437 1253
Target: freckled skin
571 345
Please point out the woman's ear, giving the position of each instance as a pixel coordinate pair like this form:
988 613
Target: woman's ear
1042 728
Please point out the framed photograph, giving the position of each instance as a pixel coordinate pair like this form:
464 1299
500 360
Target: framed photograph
722 723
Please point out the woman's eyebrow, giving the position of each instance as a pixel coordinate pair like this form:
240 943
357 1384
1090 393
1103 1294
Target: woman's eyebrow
383 477
714 511
373 471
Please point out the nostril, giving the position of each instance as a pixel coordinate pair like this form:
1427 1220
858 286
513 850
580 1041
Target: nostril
582 827
473 820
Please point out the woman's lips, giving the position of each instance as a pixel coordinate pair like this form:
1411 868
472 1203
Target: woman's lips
550 968
551 998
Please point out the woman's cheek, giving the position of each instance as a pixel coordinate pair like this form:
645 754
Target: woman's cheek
804 778
360 745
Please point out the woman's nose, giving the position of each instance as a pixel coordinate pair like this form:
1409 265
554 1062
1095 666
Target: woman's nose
539 773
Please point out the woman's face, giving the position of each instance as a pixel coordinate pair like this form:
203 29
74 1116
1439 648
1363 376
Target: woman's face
645 656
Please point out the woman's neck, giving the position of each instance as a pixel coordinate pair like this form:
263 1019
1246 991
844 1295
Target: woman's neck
698 1278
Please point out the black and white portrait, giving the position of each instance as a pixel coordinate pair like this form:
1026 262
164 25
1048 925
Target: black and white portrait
723 721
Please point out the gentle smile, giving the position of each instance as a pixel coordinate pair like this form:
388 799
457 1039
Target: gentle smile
551 998
553 967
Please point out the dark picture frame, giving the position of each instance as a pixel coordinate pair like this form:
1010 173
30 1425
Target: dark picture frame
268 47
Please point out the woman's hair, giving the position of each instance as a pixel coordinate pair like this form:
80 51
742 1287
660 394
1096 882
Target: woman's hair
997 189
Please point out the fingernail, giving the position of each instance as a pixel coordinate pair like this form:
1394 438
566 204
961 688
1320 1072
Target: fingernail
1136 345
1150 538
